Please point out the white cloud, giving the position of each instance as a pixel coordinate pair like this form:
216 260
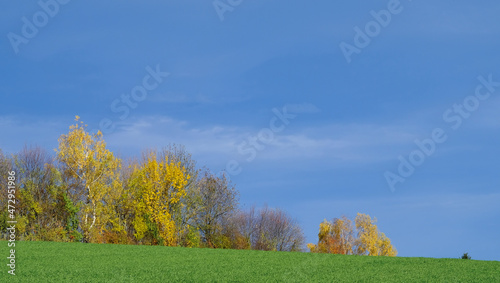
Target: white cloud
338 144
351 143
159 131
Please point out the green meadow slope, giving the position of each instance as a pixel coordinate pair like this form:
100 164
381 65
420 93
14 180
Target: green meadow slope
77 262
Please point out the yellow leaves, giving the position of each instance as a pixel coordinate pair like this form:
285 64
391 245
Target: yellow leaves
140 227
22 222
371 240
338 237
324 229
37 208
160 186
95 171
335 237
312 247
386 249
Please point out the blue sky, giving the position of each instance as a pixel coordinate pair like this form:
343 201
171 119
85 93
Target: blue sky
229 72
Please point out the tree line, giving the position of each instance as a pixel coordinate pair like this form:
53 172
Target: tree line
87 194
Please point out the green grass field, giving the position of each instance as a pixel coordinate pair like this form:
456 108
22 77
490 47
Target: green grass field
76 262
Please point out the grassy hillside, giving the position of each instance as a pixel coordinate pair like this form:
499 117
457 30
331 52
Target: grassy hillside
76 262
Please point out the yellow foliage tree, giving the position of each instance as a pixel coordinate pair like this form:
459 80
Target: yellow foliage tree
159 186
343 234
370 240
325 241
334 237
337 237
367 235
312 248
385 246
93 174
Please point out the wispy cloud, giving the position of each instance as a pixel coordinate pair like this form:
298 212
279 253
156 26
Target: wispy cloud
353 143
159 131
339 143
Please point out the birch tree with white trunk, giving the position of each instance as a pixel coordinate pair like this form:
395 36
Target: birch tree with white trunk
93 175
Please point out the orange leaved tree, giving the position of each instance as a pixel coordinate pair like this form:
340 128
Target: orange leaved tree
338 237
